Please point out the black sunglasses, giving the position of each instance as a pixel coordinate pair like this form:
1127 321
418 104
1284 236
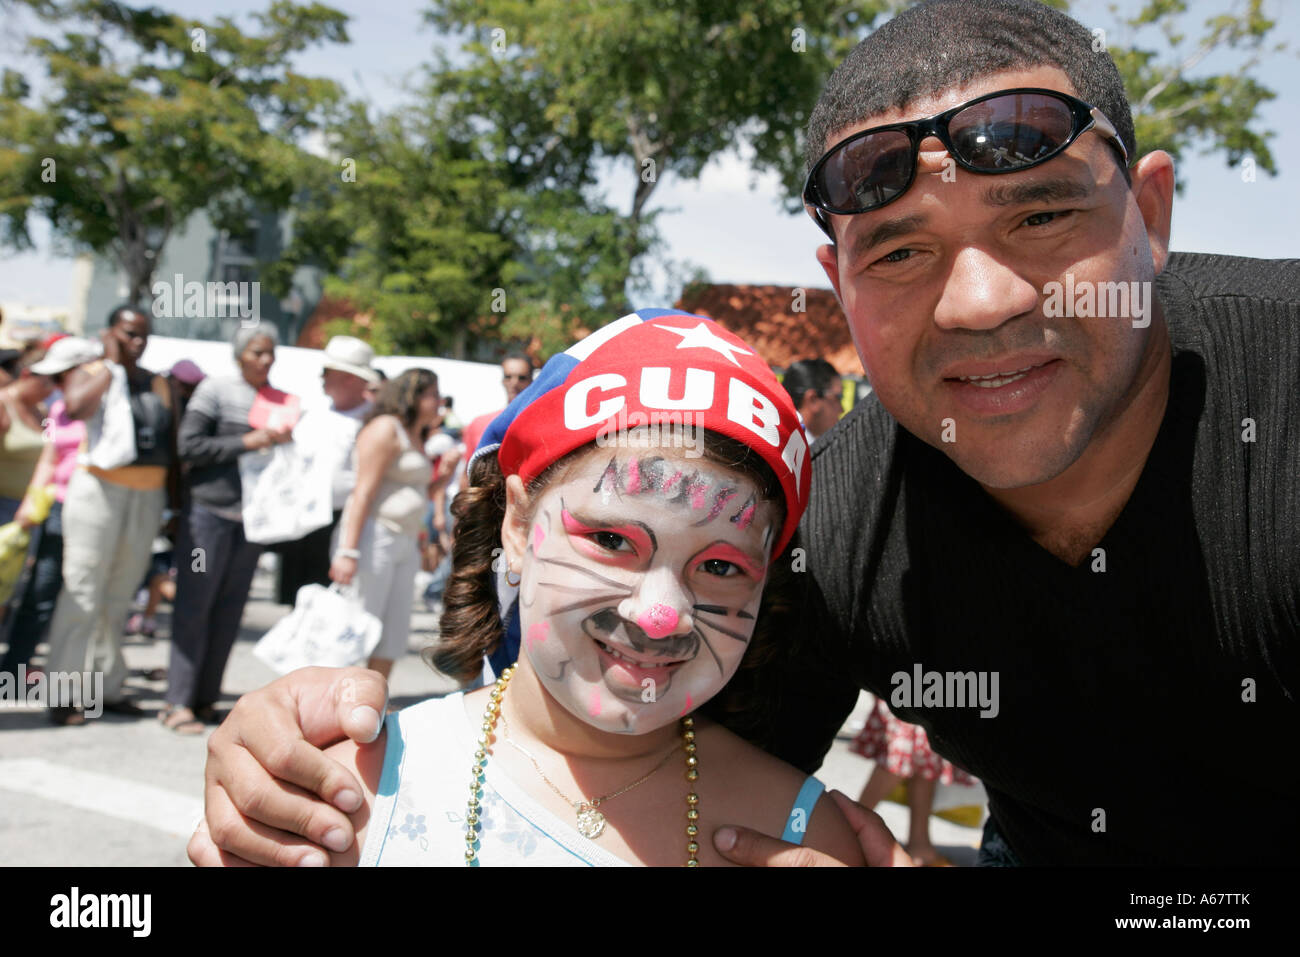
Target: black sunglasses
1002 132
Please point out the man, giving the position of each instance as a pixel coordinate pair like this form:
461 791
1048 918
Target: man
817 392
113 507
346 376
1062 540
516 376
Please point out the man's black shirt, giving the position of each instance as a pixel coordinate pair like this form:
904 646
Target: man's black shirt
1146 713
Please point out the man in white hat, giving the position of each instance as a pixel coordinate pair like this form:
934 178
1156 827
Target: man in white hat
346 374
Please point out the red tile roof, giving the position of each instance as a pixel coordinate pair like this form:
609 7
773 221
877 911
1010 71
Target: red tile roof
764 316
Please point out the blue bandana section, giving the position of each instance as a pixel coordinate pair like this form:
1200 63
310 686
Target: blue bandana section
558 369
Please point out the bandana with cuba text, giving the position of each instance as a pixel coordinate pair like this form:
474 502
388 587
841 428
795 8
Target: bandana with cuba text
653 367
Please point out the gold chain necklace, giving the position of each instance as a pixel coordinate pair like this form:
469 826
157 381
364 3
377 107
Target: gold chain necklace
590 821
492 714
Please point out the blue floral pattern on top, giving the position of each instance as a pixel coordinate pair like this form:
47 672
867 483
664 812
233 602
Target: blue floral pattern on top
414 826
499 823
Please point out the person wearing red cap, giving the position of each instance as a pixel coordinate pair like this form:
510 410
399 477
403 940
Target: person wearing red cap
628 509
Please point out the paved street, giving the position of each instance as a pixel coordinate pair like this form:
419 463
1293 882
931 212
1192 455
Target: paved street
123 791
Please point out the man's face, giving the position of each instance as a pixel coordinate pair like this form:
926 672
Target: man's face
345 390
516 376
132 332
825 409
946 288
641 579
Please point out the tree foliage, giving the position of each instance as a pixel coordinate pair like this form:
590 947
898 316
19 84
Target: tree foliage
148 117
479 210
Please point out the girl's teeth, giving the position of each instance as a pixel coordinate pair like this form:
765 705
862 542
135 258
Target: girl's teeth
632 661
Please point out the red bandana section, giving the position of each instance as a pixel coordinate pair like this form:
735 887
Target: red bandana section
677 370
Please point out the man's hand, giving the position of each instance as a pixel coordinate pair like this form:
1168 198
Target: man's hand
112 345
749 848
265 769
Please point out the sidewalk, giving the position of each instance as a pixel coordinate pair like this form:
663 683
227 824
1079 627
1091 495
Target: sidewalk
124 791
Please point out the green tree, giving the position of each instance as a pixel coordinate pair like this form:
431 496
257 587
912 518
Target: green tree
411 228
653 87
147 117
559 88
1175 109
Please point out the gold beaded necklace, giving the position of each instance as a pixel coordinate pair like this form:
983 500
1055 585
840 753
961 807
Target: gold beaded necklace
490 717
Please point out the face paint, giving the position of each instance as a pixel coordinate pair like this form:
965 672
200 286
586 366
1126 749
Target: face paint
537 632
658 621
646 573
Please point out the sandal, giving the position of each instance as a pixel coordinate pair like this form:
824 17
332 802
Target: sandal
67 717
180 719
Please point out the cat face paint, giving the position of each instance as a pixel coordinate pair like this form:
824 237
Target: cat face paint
642 578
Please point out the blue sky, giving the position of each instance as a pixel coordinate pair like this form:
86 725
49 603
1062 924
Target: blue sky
731 221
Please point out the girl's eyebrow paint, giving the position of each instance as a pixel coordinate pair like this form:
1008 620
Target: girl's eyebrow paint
723 551
639 534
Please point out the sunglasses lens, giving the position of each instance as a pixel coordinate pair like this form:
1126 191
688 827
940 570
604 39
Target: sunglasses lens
1010 131
867 172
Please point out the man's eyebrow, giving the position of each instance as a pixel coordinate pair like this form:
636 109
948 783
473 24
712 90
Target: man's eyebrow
1036 191
889 229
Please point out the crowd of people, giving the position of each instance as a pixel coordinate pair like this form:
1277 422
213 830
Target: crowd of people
148 502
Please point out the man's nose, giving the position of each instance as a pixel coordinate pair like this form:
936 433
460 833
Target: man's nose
660 606
982 293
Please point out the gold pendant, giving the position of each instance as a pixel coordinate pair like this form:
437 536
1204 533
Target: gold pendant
590 821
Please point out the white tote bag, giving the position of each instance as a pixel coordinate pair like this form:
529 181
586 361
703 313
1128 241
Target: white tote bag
111 430
328 627
288 491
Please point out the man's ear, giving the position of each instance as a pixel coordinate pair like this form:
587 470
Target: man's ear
828 256
514 530
1153 190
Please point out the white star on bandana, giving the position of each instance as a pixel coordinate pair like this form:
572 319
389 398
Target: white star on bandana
701 337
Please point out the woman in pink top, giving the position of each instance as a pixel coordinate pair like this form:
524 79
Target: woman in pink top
63 439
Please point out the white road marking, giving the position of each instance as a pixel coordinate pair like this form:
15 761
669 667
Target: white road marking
167 811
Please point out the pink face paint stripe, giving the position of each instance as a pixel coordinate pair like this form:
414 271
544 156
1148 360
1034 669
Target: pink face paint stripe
689 706
539 535
633 477
593 704
696 492
658 621
745 517
537 632
672 481
720 501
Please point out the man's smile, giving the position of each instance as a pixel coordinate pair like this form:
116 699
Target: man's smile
1001 387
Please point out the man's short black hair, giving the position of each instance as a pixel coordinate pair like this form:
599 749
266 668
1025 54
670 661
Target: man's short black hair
123 312
941 44
805 374
521 356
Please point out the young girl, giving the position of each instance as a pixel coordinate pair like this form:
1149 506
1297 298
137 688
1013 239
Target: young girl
635 498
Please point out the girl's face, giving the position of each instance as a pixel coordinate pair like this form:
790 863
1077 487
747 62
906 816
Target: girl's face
641 577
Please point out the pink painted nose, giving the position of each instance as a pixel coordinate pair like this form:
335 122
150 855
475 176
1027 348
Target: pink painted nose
658 621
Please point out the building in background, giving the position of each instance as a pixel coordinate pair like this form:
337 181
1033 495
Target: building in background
784 324
225 264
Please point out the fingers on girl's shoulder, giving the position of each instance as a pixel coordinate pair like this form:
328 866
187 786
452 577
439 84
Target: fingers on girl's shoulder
367 760
830 833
